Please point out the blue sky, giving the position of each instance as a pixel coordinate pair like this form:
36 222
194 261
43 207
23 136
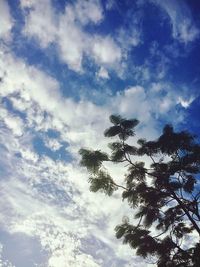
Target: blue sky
65 66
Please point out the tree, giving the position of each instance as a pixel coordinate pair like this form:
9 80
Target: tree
165 195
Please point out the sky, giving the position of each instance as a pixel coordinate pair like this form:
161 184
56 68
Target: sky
65 67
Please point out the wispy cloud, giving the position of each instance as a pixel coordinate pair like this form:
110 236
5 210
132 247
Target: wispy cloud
6 21
67 31
102 73
183 25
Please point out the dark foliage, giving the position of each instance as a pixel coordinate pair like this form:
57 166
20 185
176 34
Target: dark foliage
165 195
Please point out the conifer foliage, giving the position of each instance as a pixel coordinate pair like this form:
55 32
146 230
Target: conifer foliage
165 195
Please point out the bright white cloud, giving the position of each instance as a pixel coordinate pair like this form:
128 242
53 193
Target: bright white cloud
40 21
185 102
105 50
134 101
66 31
102 73
72 41
14 123
6 20
52 143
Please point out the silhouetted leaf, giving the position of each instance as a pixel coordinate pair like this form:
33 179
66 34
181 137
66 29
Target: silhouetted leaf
102 181
112 131
116 119
92 160
189 184
129 123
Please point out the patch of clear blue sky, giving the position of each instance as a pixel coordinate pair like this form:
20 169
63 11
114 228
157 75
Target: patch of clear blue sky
95 246
28 250
42 149
8 104
183 60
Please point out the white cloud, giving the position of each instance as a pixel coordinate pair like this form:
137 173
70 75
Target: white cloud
105 50
131 38
66 30
72 42
6 20
52 143
40 21
183 26
3 262
36 207
34 92
186 32
42 88
134 102
14 123
46 200
88 11
130 34
185 102
110 4
102 73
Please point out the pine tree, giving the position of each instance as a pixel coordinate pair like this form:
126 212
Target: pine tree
165 195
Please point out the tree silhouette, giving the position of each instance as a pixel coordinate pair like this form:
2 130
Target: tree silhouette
165 195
